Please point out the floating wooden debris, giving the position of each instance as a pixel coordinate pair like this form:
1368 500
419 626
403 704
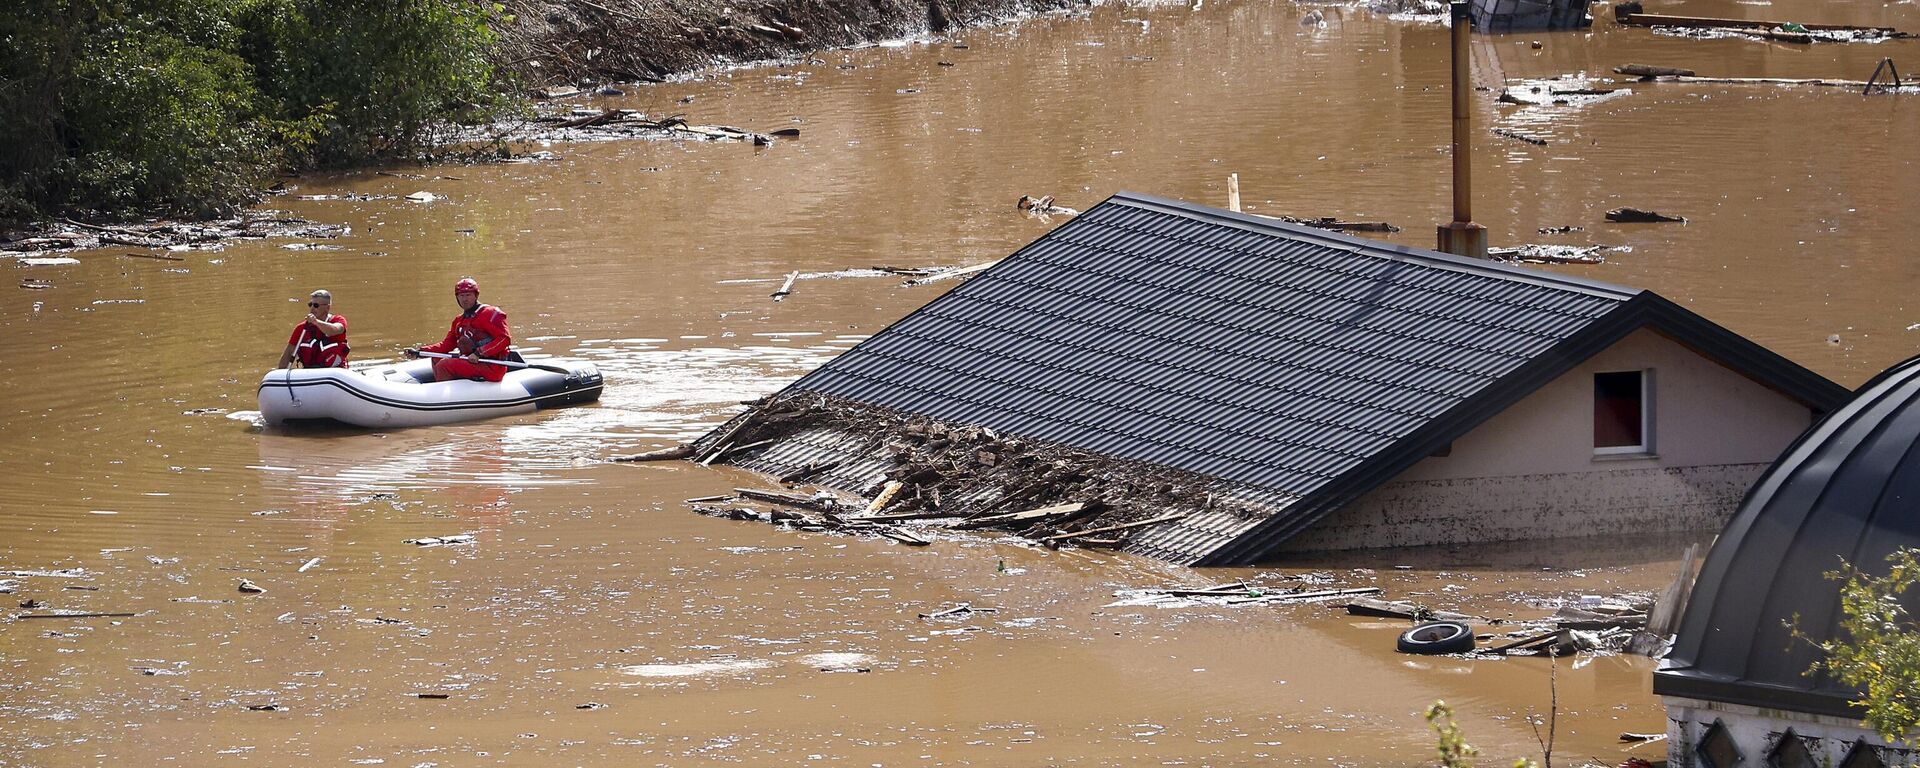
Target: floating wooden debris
821 503
786 288
36 284
1058 513
1637 216
958 611
1043 207
1630 14
1550 254
662 454
251 588
950 273
1518 136
442 541
1386 609
94 615
1336 225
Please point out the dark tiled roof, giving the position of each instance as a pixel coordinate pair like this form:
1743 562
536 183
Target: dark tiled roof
1303 365
1847 489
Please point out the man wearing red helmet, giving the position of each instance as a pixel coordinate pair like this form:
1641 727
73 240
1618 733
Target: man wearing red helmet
480 332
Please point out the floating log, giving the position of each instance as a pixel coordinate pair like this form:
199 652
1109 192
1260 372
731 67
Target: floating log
904 537
1223 590
710 499
1644 70
663 454
1112 528
159 256
1640 216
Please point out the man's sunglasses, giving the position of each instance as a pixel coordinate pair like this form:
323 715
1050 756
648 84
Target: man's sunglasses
316 304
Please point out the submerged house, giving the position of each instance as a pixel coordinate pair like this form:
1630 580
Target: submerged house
1259 387
1736 685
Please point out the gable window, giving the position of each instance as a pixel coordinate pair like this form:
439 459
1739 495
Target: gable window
1623 412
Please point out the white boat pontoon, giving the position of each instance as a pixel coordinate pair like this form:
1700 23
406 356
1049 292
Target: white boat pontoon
405 394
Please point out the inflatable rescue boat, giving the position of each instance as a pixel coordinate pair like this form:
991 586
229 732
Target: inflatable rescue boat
405 394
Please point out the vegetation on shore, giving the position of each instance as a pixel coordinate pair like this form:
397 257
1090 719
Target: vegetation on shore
111 108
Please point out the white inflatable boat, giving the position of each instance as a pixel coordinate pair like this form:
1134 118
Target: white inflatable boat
405 394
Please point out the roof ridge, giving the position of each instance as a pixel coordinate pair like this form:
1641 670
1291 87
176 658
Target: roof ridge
1376 248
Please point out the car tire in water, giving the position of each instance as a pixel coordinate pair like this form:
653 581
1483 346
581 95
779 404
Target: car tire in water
1437 637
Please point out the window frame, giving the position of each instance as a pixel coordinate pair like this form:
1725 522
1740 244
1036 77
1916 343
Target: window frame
1645 448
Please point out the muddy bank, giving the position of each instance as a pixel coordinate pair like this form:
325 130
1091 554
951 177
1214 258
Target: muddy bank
566 41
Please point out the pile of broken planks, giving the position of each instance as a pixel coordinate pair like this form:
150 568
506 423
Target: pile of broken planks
632 123
1598 629
1052 526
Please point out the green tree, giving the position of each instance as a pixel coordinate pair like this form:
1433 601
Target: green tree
1877 649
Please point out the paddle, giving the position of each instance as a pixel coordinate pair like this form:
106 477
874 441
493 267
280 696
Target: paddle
502 363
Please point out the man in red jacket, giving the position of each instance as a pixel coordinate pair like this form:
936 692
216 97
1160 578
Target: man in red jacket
320 340
480 332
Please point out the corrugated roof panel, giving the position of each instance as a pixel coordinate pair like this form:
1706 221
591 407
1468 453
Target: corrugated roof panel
1259 353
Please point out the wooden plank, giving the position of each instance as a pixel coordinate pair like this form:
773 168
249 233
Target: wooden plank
904 537
951 273
1016 517
886 494
786 289
1298 596
1525 641
1120 527
924 514
662 454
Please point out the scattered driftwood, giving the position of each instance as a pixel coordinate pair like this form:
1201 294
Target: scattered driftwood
1626 13
662 454
155 256
786 288
36 283
1637 216
66 234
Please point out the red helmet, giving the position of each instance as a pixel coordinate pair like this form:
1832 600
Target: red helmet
466 285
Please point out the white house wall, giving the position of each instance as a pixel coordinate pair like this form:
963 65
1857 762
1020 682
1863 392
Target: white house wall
1756 732
1531 472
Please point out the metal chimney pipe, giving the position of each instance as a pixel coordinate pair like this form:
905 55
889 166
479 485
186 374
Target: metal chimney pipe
1461 236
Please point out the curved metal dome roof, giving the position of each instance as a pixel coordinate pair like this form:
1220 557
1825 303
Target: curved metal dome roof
1849 489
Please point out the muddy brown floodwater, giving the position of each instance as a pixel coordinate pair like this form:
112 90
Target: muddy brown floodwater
596 621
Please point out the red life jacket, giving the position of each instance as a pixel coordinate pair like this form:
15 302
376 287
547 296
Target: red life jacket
316 351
